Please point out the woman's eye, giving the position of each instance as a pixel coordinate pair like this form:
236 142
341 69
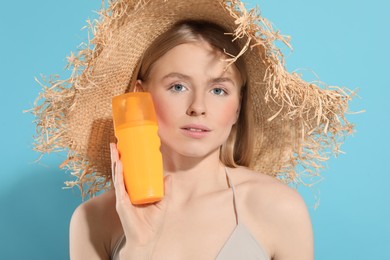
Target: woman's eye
218 91
177 88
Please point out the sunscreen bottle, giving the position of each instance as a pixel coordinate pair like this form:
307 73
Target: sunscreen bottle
135 126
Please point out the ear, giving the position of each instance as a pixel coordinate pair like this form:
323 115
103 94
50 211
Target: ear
238 109
139 86
238 113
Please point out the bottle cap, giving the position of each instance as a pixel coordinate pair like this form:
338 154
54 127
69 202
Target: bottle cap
133 109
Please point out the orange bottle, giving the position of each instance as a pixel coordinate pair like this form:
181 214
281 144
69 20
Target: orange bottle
135 125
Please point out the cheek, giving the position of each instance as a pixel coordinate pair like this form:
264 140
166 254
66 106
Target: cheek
229 112
164 111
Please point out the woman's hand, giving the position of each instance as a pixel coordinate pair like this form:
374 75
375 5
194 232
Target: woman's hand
141 223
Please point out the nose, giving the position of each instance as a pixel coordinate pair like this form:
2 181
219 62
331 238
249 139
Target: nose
197 106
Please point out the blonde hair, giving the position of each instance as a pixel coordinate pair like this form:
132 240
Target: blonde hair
238 148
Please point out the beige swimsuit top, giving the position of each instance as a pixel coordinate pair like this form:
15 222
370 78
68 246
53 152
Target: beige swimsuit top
240 244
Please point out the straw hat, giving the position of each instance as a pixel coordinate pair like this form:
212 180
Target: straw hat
297 123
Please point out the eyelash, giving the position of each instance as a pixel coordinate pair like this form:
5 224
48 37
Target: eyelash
172 88
224 92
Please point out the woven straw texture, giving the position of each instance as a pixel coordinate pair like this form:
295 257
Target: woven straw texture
297 123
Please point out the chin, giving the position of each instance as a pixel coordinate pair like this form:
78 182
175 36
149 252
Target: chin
191 151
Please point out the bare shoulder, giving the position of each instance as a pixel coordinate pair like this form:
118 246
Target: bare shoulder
94 227
273 207
264 190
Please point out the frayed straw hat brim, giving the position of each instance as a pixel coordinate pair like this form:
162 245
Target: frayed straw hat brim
297 123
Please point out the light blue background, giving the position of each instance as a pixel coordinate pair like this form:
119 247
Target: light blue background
345 42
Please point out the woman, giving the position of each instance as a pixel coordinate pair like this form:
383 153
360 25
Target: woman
225 105
197 99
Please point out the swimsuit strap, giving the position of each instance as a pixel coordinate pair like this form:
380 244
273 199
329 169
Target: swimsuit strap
234 194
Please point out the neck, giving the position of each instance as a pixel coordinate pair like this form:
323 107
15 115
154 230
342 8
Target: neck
193 176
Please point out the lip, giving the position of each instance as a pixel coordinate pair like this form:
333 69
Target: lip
195 131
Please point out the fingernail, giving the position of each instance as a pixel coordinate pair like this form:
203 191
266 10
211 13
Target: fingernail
113 171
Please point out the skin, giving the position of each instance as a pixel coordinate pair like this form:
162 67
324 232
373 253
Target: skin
190 85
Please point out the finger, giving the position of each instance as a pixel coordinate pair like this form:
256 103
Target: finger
114 158
167 185
115 152
122 198
155 213
124 207
167 191
112 148
119 182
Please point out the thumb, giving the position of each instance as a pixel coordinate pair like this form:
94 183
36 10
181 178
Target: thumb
167 185
167 191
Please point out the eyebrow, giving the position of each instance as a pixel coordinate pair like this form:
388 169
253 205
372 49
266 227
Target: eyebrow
219 80
176 75
185 77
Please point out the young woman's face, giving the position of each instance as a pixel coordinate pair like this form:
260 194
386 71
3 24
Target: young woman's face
197 99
